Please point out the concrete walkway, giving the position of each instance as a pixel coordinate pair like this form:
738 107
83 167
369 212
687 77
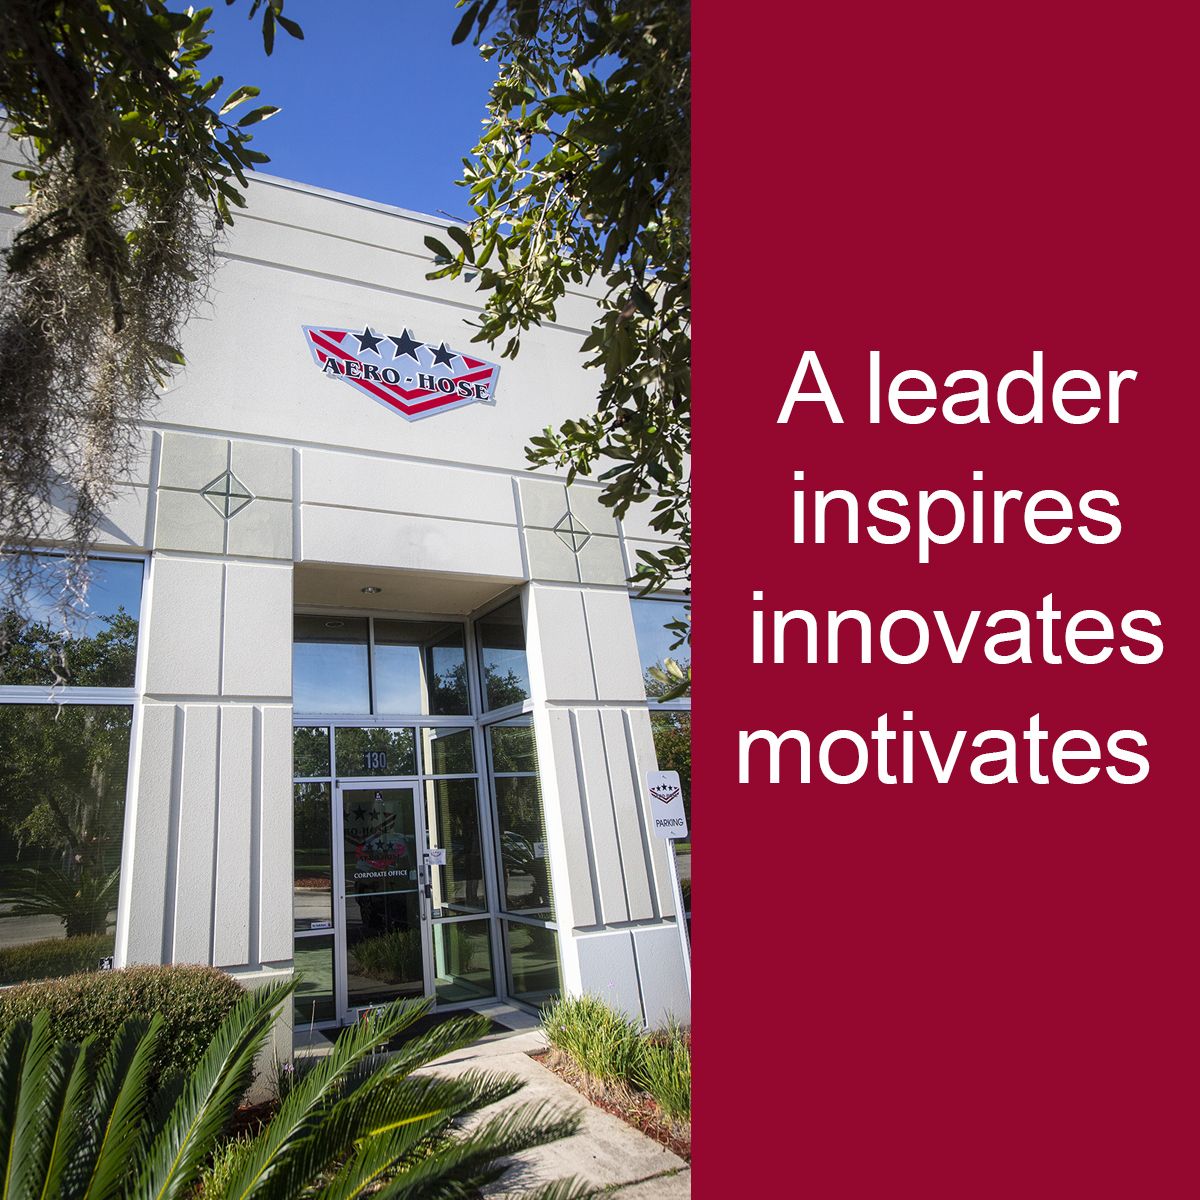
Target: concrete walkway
611 1156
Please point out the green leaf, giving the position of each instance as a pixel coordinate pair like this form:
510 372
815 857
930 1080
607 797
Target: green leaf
236 97
290 26
463 241
439 248
258 114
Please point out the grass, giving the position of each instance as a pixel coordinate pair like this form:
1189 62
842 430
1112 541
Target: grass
225 1162
665 1071
609 1049
603 1043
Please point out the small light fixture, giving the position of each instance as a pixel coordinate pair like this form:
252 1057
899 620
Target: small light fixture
371 591
335 624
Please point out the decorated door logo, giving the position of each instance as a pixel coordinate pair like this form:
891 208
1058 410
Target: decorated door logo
413 378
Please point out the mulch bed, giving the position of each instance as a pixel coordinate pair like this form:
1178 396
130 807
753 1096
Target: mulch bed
634 1108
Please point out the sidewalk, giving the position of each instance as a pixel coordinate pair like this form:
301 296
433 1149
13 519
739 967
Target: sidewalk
613 1157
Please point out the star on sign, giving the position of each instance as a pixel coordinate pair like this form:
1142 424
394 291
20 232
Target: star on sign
406 344
367 341
443 357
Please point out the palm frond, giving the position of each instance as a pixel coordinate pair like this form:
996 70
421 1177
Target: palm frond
66 1104
297 1144
120 1105
29 1121
382 1125
174 1160
12 1064
475 1159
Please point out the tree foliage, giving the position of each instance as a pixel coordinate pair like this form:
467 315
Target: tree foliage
582 177
133 159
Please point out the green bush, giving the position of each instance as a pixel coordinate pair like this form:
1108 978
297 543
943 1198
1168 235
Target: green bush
604 1043
54 957
665 1071
393 957
193 1002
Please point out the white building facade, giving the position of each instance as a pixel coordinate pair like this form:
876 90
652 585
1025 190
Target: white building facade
383 696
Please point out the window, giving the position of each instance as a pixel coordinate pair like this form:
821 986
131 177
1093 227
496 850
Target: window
655 640
356 666
670 720
330 672
673 749
502 659
64 761
526 895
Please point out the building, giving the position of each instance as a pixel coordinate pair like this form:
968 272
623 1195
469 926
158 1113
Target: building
379 690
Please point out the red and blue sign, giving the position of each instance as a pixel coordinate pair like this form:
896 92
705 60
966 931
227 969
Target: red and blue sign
415 379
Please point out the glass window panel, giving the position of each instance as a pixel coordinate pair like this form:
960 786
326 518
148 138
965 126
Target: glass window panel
88 643
673 750
312 887
379 835
650 618
532 954
452 823
524 865
62 815
310 751
502 656
512 746
314 996
329 665
420 667
462 961
375 752
449 751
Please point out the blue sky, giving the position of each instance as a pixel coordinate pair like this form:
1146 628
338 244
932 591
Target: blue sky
376 101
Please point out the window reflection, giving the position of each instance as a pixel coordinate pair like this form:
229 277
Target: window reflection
452 822
462 961
62 814
532 953
449 751
312 888
502 656
420 667
89 643
520 821
375 752
329 665
310 750
673 750
655 640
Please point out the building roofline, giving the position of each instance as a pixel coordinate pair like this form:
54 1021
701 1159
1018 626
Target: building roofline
294 185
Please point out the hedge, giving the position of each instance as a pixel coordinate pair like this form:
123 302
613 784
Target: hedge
53 957
193 1001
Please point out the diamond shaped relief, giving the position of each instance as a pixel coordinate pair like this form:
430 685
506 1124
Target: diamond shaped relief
227 494
572 532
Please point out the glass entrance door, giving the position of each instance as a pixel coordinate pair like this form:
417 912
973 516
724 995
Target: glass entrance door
382 895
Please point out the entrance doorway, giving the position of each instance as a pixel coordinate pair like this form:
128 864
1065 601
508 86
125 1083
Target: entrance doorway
393 868
384 895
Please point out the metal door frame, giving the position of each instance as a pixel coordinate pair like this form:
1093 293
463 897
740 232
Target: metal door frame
344 1013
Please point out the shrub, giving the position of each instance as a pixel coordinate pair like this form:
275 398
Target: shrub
393 957
54 957
604 1043
193 1002
665 1071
